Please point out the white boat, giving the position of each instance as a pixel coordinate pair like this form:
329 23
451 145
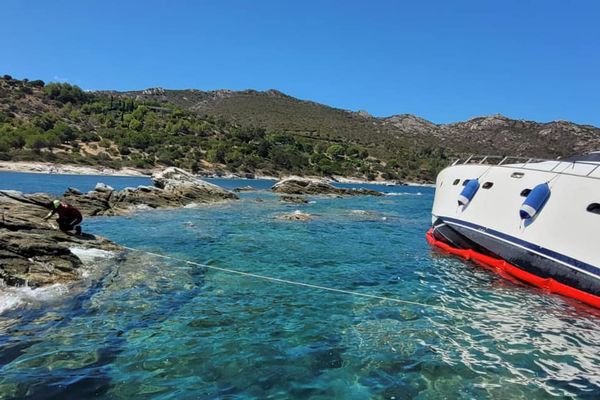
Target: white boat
553 241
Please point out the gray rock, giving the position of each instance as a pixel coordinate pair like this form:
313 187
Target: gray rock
102 187
174 187
247 188
295 216
293 199
297 185
32 252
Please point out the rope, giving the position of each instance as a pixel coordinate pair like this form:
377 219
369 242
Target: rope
329 289
559 174
303 284
486 171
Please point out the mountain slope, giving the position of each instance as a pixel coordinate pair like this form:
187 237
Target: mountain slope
61 123
249 132
276 111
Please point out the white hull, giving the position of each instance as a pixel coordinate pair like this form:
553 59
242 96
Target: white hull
562 241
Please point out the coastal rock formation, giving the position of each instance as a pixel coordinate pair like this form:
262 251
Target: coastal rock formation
311 186
32 252
295 216
246 188
293 199
173 187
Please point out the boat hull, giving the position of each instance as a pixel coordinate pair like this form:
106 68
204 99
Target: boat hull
504 267
556 250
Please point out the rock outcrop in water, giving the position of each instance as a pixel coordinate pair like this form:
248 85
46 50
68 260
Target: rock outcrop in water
32 251
311 186
293 199
295 216
173 187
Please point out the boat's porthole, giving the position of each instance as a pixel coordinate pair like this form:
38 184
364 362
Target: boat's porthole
487 185
594 208
525 192
465 182
517 175
456 181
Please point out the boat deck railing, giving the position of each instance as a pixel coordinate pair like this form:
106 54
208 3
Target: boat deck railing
588 169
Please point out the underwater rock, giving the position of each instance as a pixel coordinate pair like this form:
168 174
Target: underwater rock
247 188
313 186
295 216
32 251
293 199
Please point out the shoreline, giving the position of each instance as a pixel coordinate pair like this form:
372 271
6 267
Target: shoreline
38 167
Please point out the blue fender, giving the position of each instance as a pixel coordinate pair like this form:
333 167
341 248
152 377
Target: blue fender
468 192
535 201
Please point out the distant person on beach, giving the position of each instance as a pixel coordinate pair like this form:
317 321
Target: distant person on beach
69 217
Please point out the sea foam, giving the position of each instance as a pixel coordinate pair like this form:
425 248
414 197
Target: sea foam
91 254
404 194
11 298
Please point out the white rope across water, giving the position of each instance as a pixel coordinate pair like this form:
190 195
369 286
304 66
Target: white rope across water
303 284
334 290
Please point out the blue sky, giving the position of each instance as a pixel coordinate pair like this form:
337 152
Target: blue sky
442 60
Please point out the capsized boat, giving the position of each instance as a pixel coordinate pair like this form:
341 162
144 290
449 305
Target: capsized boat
537 220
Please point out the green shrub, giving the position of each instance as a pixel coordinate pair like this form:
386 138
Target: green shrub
65 93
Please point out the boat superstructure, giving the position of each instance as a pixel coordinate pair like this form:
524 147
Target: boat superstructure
560 242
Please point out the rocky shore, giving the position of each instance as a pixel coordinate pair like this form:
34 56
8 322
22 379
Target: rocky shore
172 188
34 253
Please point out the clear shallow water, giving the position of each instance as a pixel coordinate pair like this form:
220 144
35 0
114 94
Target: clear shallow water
143 327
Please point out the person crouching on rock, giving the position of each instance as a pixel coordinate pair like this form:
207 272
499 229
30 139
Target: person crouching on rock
69 217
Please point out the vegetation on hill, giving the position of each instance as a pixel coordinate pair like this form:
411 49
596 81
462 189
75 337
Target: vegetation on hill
58 122
393 137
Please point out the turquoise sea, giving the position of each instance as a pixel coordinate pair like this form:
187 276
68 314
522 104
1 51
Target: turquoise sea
142 327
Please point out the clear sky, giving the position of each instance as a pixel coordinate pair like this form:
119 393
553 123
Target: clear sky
445 60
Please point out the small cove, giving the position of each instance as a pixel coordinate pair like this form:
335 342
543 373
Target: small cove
147 327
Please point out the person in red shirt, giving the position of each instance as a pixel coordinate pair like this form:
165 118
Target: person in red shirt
69 217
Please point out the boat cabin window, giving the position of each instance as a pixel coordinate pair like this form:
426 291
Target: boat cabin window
465 182
594 208
456 181
525 192
517 175
487 185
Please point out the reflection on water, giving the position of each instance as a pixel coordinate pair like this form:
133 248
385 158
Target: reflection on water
145 327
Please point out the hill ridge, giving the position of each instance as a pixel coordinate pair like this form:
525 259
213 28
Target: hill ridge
496 132
251 131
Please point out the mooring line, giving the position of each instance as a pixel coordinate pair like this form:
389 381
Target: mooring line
330 289
304 284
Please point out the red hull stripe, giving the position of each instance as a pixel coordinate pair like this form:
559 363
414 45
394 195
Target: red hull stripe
502 266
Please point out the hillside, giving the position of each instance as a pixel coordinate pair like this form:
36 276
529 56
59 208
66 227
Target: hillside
276 111
250 132
63 124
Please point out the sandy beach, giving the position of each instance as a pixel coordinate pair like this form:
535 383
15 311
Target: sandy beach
66 169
